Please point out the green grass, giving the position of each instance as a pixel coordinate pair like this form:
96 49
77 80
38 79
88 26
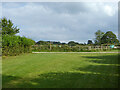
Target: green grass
60 71
112 50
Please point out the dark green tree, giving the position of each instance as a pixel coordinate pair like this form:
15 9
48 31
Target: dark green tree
42 43
63 43
8 28
57 43
98 35
0 27
90 42
109 38
72 43
0 37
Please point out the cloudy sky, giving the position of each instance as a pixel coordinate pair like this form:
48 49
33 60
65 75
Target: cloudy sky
63 22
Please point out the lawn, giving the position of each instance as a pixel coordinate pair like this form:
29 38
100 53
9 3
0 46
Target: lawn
68 70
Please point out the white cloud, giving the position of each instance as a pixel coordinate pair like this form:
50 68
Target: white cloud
109 10
62 21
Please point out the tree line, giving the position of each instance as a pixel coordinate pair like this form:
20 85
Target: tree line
71 43
15 45
100 38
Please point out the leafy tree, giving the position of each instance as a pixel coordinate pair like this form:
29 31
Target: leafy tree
72 43
63 43
98 35
57 43
42 43
90 42
0 27
0 37
81 44
8 28
12 44
109 38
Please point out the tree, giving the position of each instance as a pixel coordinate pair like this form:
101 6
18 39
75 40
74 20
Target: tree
0 37
8 28
42 43
57 43
109 38
90 42
0 27
72 43
63 43
98 35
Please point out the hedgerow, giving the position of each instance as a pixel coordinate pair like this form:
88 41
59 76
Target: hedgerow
15 45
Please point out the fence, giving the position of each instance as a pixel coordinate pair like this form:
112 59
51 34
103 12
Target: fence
67 48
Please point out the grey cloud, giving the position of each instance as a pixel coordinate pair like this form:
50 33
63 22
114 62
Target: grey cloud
61 21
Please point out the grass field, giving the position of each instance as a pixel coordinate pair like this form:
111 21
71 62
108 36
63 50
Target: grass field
70 70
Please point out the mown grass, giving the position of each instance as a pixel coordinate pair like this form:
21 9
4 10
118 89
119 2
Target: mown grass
70 70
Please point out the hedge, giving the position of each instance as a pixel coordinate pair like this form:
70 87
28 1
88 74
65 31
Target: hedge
15 45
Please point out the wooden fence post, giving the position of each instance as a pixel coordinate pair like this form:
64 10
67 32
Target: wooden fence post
89 47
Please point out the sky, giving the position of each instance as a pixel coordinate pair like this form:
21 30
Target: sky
62 21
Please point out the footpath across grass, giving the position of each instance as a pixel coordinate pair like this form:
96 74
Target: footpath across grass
61 70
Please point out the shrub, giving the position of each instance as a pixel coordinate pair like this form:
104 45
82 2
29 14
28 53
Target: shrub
14 45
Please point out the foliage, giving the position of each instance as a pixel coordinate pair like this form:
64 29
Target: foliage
14 45
109 38
90 42
0 38
42 43
8 27
49 42
66 48
98 36
72 43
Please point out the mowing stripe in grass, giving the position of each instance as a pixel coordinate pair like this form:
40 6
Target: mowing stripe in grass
61 70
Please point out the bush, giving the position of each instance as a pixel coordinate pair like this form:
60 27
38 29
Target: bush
15 45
